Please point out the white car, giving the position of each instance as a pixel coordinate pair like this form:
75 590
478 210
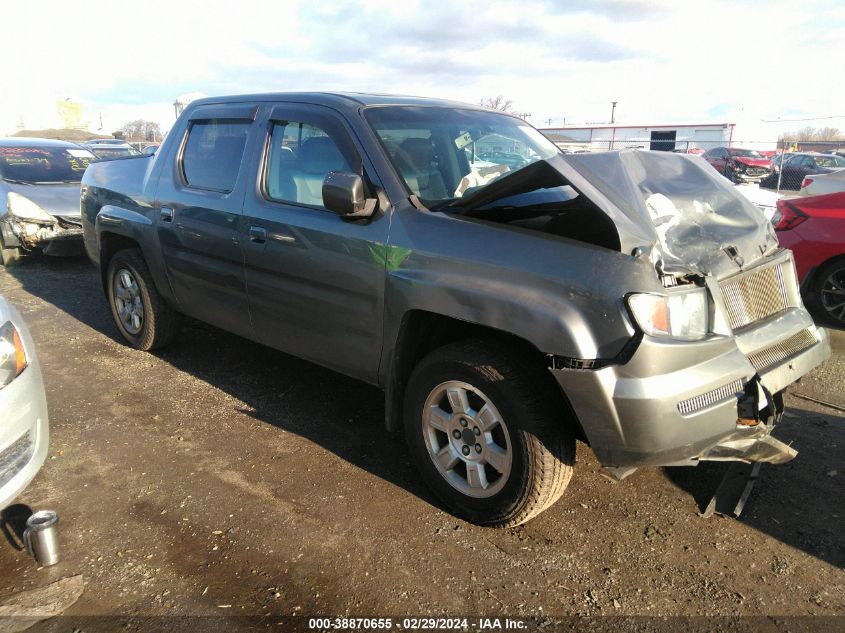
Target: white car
820 184
763 199
24 433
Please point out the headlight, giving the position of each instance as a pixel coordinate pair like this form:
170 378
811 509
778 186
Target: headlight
682 315
25 209
12 355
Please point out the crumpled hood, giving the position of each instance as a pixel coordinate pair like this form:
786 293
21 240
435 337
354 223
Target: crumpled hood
61 199
753 162
675 208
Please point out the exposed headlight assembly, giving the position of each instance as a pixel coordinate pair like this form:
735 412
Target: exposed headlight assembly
25 209
12 354
682 315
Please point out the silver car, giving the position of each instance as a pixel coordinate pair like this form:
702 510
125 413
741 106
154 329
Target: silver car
24 431
39 197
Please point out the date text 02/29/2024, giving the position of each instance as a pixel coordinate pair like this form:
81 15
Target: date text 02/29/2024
416 624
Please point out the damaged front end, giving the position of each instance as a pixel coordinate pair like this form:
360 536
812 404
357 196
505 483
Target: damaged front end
28 226
722 334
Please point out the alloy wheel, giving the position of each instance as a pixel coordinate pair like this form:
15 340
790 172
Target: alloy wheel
833 294
467 439
128 301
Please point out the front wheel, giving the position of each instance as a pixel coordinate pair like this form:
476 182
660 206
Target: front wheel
140 313
9 256
486 435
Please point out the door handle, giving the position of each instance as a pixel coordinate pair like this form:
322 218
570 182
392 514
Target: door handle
166 214
258 234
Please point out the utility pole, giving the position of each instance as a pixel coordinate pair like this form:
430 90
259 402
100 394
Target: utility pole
613 111
524 115
177 107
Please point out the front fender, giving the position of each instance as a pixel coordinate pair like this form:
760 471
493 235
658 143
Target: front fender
537 313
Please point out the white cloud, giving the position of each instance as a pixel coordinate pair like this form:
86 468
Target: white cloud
662 61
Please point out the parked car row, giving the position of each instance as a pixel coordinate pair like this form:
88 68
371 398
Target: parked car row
783 171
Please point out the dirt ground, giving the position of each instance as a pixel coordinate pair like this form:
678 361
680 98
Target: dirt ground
219 477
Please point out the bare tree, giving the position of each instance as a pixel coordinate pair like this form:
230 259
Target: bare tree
141 130
812 134
499 102
829 134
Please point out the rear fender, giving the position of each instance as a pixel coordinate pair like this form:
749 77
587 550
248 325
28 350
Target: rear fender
113 221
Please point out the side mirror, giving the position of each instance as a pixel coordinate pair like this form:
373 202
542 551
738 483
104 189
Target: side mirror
343 193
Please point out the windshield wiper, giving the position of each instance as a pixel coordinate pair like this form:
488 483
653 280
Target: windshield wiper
17 182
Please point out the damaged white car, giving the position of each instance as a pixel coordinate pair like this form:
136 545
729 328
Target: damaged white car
39 197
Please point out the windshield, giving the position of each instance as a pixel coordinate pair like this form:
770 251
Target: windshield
445 153
44 164
747 153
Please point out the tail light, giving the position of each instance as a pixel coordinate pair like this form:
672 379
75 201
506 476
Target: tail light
787 216
806 182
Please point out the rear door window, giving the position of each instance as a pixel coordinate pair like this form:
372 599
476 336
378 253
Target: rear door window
213 152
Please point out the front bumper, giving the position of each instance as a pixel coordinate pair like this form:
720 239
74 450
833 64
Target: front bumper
63 237
678 402
667 406
744 177
24 432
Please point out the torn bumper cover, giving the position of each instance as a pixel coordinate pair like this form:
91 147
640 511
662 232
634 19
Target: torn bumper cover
677 403
751 444
61 236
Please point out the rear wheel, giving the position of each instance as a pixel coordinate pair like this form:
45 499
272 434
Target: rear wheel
140 313
828 292
484 432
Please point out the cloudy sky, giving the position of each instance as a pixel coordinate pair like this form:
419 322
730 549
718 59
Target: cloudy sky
662 60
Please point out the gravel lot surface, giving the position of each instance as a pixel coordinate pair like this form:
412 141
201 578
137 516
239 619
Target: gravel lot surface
219 477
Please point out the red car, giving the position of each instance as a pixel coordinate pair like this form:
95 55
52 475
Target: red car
739 165
814 228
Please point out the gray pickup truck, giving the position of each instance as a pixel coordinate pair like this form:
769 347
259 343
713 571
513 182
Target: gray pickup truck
631 300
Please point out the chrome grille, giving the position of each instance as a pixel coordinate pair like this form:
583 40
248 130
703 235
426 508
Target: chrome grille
774 354
691 405
755 295
15 456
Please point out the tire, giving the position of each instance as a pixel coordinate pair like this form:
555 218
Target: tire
142 316
9 256
824 293
509 408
